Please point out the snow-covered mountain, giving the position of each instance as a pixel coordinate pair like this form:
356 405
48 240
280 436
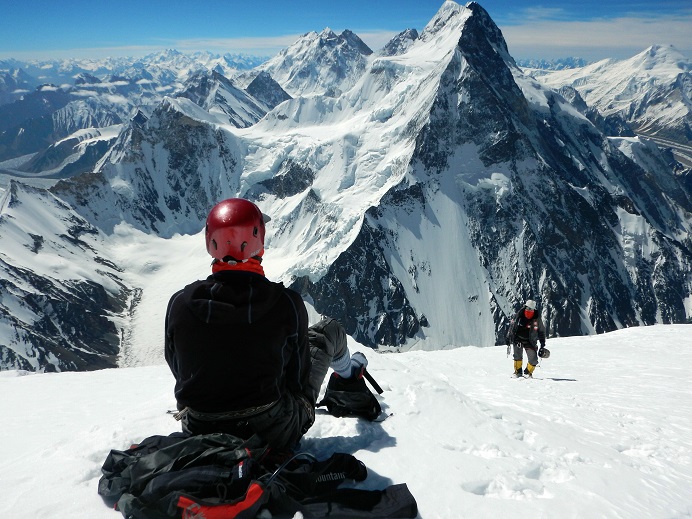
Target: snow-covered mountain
34 130
319 64
61 297
418 195
217 95
652 91
13 83
497 193
400 43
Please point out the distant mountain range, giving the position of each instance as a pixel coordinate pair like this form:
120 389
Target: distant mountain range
553 64
418 193
169 67
651 92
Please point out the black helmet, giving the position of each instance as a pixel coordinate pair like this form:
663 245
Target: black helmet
543 352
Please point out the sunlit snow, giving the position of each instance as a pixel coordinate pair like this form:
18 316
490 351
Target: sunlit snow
604 430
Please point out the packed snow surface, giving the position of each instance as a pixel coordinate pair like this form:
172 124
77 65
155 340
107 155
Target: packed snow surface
603 430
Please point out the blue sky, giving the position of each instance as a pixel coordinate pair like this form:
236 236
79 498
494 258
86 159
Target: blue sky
592 29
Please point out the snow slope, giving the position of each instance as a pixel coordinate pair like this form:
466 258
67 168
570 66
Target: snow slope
605 430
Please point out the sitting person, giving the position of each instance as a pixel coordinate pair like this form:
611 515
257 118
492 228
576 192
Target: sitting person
245 361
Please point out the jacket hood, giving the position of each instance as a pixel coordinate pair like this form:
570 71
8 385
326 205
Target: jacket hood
232 297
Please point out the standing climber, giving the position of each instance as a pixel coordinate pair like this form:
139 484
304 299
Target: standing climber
526 330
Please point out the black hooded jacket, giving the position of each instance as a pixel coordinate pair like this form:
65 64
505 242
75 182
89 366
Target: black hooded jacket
524 330
235 341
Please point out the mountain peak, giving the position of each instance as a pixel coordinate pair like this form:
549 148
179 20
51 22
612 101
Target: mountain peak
86 79
473 22
324 63
353 40
663 56
449 11
327 34
329 38
400 42
481 20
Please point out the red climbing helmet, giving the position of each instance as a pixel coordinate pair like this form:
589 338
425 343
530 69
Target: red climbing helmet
235 230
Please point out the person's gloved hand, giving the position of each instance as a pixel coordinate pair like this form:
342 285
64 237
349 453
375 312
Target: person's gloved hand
543 352
358 362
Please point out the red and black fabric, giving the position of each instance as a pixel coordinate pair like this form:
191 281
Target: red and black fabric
149 479
187 505
245 507
219 476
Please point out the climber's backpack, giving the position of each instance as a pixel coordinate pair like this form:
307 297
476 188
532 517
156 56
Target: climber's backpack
221 476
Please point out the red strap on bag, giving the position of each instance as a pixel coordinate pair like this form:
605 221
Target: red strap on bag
250 503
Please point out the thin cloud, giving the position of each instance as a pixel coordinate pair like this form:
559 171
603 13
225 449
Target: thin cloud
533 33
615 38
537 13
268 44
261 46
82 52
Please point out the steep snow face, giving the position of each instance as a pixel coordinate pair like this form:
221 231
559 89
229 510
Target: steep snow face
319 64
652 91
75 154
63 305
